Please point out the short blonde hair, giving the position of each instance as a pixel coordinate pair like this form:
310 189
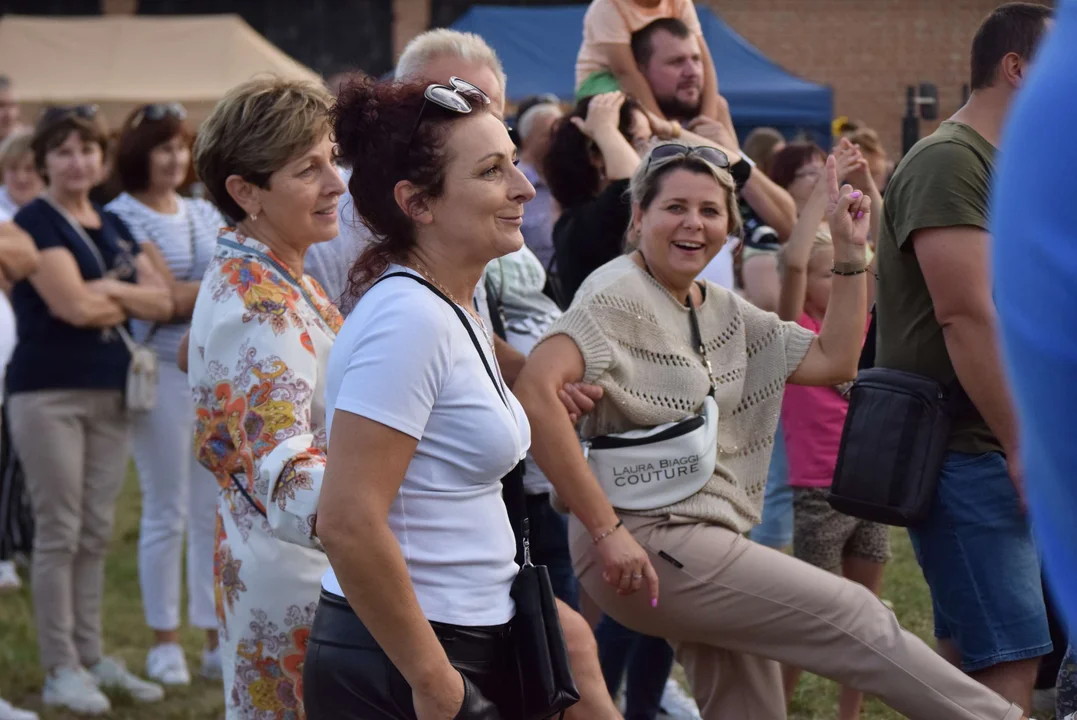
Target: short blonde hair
427 46
254 130
15 146
647 181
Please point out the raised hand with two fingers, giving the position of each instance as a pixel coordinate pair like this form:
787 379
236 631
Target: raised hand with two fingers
848 212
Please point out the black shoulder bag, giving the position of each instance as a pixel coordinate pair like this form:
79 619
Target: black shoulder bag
893 446
547 687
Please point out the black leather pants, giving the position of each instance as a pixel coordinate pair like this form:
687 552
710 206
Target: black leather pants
347 676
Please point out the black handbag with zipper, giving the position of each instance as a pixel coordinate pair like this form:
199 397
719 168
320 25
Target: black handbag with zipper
893 446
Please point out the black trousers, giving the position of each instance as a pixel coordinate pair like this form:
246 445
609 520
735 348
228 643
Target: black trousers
347 676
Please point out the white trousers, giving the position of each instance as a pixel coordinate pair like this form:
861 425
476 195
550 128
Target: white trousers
178 494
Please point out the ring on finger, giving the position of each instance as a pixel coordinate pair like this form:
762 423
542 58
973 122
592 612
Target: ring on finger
637 576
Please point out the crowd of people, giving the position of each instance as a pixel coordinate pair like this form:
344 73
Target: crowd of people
403 346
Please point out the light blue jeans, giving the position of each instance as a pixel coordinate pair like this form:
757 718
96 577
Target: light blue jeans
776 530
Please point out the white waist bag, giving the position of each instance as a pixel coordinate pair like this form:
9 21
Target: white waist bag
657 466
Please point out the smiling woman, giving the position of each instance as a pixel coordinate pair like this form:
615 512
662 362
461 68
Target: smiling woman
664 346
259 341
422 426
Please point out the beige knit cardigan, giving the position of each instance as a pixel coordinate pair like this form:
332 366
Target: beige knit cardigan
636 342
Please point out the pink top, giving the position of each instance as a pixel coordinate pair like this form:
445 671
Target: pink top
812 420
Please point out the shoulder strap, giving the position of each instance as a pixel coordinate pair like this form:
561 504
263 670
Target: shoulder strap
80 231
460 314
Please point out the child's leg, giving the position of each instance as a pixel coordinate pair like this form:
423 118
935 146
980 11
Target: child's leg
864 561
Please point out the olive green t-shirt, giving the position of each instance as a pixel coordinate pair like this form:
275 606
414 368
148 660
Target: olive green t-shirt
942 182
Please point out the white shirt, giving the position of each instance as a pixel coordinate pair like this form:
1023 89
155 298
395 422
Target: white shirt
8 337
720 269
187 240
8 208
404 359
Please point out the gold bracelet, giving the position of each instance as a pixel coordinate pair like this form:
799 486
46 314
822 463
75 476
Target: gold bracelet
599 538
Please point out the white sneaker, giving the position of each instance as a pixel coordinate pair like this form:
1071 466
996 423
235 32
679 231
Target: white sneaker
166 664
211 663
10 712
9 579
76 690
112 674
676 703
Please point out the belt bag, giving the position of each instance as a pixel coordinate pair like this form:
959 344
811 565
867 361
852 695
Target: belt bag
893 446
658 466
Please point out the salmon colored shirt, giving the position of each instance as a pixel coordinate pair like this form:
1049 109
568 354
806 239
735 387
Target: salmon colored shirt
612 22
812 421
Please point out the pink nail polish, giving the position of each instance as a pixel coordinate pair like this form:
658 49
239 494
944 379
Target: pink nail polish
856 195
654 602
860 214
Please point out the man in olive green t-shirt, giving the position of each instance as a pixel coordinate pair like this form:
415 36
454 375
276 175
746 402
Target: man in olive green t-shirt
936 317
941 184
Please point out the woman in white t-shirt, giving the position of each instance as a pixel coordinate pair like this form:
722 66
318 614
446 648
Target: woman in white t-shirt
179 235
421 426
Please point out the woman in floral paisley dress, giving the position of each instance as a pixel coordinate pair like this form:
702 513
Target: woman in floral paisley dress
260 336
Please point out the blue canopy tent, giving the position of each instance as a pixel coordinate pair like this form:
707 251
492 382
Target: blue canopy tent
538 47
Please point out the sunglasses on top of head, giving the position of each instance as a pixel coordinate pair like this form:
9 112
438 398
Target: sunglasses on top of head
457 96
155 112
714 156
55 113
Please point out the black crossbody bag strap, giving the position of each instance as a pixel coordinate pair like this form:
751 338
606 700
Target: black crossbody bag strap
463 319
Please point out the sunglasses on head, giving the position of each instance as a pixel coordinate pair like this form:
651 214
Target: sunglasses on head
457 96
159 111
55 113
714 156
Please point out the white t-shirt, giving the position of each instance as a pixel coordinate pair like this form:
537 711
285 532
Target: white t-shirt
720 269
187 240
8 338
404 359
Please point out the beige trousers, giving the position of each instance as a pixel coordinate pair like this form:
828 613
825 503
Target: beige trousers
734 610
74 446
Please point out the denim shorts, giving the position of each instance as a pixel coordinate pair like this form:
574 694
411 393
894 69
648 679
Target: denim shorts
776 528
979 559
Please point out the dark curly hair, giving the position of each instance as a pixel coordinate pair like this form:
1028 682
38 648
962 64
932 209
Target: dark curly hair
568 170
372 124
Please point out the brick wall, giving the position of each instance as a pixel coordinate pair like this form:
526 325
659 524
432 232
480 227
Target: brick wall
868 51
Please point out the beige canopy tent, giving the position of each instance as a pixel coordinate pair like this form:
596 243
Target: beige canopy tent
121 62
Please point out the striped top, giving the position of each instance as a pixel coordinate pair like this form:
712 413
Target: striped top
187 239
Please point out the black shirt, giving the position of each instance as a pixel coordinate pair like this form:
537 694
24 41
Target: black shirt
52 354
588 236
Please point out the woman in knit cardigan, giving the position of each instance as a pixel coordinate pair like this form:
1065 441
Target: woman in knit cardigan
733 609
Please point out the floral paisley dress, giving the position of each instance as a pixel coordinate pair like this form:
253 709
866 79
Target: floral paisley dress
260 338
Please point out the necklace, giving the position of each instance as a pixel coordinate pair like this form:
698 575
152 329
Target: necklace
468 307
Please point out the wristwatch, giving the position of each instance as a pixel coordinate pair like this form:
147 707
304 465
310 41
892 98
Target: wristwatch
741 171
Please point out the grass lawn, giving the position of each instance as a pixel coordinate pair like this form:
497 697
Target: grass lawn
127 636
